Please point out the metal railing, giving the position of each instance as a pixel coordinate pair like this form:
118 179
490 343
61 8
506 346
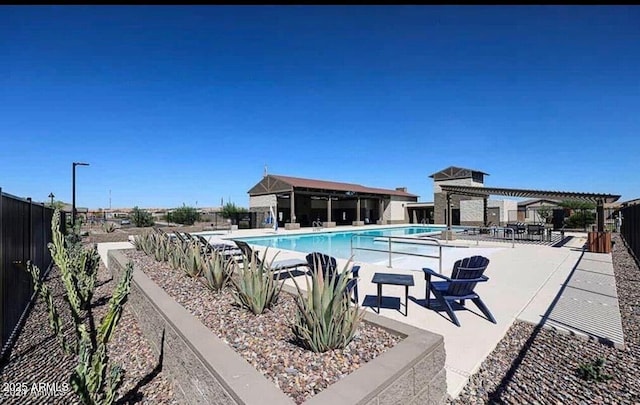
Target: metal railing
25 231
404 240
495 230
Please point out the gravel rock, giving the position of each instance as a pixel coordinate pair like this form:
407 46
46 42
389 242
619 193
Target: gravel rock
266 340
539 365
37 360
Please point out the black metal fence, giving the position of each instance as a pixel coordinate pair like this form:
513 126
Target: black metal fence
244 220
630 229
25 231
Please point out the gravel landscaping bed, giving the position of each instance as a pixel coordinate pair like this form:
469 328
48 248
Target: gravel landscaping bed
539 365
266 341
37 357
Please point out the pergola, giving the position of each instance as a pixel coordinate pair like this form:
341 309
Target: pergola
485 192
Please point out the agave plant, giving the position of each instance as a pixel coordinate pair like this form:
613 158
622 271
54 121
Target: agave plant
144 242
255 287
217 271
193 262
161 247
325 319
108 227
176 255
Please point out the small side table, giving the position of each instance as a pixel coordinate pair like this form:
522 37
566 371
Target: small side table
394 279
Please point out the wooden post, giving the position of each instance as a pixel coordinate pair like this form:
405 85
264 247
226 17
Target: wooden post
485 211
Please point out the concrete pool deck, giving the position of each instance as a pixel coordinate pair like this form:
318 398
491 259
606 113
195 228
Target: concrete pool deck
525 281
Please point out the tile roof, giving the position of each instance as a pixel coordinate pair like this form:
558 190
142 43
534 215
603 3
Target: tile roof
333 185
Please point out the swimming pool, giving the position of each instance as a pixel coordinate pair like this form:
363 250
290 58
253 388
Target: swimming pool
338 244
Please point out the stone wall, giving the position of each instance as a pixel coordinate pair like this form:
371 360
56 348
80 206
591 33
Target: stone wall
206 370
262 201
440 201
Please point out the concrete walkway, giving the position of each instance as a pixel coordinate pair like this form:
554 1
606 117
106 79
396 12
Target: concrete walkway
586 303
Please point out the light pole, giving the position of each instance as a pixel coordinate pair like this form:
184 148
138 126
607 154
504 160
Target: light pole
52 197
73 192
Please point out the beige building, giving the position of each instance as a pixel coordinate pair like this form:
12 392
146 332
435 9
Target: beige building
301 202
465 210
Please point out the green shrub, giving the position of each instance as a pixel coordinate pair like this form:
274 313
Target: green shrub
325 319
581 219
184 215
255 287
141 218
230 209
592 371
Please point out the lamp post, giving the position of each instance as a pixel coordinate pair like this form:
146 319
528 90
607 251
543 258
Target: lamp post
73 192
52 197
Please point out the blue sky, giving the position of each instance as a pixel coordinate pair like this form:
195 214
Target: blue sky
174 105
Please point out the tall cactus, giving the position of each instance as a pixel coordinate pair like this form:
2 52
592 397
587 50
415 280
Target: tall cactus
79 268
54 317
89 379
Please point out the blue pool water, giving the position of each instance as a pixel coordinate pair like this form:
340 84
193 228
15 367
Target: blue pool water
338 244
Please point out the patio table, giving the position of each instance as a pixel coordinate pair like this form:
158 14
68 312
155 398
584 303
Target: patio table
394 279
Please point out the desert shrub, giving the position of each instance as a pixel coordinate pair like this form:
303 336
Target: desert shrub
184 215
593 371
141 218
581 219
230 209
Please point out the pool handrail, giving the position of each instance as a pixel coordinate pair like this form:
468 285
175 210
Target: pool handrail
391 238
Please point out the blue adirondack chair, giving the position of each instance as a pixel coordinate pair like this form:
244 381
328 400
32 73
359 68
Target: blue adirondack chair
329 267
460 286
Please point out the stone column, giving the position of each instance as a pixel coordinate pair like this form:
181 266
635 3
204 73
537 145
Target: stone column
381 214
329 223
292 224
357 222
449 211
448 234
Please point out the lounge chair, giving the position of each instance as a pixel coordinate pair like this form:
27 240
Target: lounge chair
460 286
329 266
278 265
227 250
181 238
